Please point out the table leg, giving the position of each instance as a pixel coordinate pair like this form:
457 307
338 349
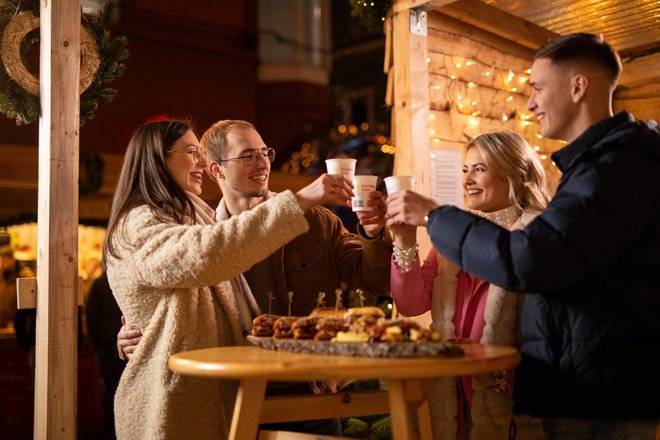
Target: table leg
247 410
400 411
424 421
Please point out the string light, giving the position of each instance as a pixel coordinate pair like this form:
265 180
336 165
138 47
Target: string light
479 95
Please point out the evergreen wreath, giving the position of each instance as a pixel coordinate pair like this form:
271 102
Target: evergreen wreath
371 13
102 57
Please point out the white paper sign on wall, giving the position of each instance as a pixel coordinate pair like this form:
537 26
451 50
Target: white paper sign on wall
446 177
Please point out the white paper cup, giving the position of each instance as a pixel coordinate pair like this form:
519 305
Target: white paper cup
362 187
399 183
341 165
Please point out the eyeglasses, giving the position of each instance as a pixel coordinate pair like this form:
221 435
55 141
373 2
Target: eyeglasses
197 156
251 157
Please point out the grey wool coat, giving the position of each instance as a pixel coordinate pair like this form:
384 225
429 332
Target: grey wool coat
181 285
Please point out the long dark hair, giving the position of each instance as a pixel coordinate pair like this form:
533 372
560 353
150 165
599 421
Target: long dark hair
144 179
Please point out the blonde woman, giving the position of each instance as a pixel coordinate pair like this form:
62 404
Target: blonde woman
503 181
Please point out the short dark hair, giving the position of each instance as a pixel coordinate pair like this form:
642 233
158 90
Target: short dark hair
583 47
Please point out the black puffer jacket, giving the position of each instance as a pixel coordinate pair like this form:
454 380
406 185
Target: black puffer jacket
591 331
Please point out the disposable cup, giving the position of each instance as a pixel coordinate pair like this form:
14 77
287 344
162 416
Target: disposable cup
341 165
399 183
362 187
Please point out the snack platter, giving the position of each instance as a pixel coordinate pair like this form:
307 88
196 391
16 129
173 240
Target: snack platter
368 349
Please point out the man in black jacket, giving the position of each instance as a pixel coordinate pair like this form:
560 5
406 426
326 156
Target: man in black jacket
591 260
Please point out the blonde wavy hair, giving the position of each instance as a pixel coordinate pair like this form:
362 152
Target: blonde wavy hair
511 157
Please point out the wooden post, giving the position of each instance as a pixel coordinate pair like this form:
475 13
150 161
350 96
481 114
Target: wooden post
57 260
410 123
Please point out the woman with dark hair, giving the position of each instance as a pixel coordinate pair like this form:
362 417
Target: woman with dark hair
503 181
175 273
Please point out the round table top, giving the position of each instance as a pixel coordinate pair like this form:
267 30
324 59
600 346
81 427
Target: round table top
245 362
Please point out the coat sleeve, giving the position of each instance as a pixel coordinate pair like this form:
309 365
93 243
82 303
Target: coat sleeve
168 255
361 262
594 216
412 290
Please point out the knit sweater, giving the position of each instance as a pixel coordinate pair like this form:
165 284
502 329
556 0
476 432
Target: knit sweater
181 285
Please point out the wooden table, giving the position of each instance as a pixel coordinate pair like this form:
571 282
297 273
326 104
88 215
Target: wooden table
408 382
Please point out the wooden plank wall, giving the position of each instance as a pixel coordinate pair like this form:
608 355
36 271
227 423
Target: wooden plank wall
478 83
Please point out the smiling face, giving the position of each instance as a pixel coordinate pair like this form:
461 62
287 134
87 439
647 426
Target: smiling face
551 99
240 179
485 190
182 166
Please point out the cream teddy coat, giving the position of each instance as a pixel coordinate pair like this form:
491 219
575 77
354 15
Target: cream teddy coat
491 412
181 285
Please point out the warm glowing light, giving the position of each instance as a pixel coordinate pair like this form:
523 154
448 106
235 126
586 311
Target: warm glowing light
487 73
522 79
471 84
392 149
544 157
381 139
385 148
452 76
505 118
539 136
428 60
352 129
509 99
436 140
472 121
341 129
431 117
528 71
458 65
432 131
364 126
469 63
515 89
537 148
473 103
460 105
525 123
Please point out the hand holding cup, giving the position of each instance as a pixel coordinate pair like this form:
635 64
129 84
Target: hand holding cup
408 207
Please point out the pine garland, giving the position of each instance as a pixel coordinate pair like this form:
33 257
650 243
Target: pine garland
371 13
17 104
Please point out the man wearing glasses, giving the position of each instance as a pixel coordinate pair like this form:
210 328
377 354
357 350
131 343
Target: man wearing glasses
240 163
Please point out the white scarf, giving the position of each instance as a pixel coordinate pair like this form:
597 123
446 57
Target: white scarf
245 302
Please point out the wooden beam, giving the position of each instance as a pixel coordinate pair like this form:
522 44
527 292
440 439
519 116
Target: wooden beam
641 71
57 262
26 293
410 112
315 406
403 5
498 22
